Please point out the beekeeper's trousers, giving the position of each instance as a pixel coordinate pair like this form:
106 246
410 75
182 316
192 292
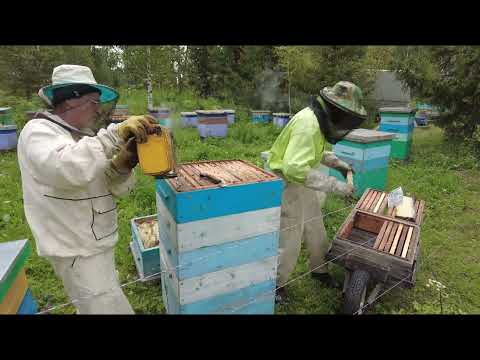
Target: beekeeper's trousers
301 218
93 282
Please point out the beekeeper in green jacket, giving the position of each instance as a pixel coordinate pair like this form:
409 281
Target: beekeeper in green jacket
295 156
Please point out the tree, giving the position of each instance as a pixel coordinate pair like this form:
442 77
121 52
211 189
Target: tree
27 68
310 68
447 77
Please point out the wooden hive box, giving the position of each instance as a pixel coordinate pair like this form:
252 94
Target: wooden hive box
29 305
219 242
368 152
375 201
147 260
212 123
281 119
401 122
13 281
388 248
8 137
261 116
189 119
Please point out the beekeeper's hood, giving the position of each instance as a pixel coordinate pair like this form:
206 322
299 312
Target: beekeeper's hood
344 110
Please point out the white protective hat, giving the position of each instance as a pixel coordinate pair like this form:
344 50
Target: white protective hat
64 75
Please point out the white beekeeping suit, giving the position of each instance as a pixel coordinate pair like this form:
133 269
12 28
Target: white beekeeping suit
70 181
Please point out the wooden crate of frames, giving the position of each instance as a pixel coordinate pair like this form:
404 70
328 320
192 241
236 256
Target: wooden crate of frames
375 238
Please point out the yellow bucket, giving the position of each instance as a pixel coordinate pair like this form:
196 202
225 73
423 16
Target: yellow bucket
157 155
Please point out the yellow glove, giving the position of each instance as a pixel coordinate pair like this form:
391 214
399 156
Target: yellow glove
127 157
138 127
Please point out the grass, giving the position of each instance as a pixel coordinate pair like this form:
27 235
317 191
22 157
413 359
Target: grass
442 174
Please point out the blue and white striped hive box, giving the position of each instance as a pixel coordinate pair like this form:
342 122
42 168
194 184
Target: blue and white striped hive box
368 152
219 242
401 122
261 116
281 119
8 137
212 123
230 116
189 119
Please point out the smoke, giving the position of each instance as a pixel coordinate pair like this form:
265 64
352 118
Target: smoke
269 91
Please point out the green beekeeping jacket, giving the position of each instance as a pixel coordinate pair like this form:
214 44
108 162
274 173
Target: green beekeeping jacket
298 148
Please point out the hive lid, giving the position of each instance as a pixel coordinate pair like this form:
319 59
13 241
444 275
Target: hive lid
188 113
281 114
5 109
7 127
229 111
210 112
160 109
368 136
261 111
229 172
400 110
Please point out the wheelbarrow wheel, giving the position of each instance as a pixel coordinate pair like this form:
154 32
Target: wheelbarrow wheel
356 292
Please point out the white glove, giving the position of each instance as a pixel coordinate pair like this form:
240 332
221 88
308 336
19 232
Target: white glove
331 160
316 180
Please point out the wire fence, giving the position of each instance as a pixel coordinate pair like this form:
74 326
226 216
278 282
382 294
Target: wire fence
263 296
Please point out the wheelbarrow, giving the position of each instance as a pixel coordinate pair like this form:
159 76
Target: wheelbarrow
377 248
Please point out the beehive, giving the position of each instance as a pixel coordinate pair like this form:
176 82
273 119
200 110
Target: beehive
219 241
230 116
29 305
8 137
401 122
13 281
212 123
118 118
189 119
121 110
281 119
147 259
6 116
373 237
163 116
261 116
423 106
368 152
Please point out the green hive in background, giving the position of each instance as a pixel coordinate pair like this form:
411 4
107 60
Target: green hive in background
401 122
6 116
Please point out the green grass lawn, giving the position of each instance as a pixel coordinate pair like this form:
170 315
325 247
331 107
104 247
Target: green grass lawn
439 173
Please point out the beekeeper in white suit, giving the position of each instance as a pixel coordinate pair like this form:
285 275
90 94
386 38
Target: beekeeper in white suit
72 166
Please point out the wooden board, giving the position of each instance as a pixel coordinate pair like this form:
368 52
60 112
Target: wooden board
380 235
379 203
398 251
395 240
367 199
370 202
419 217
407 242
374 202
385 236
14 297
368 223
364 198
390 237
